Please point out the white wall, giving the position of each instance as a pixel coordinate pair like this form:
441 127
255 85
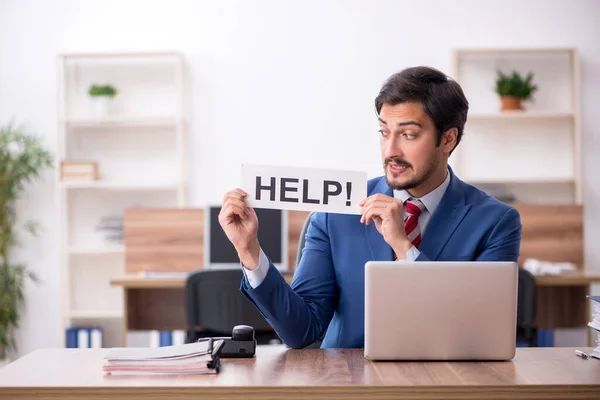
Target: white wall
270 81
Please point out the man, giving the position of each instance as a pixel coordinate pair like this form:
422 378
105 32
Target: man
419 210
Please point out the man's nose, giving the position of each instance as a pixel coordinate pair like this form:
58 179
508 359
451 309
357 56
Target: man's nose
393 148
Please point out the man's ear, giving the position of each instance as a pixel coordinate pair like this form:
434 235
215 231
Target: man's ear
449 140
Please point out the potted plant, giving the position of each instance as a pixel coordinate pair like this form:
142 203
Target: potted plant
22 159
513 89
102 96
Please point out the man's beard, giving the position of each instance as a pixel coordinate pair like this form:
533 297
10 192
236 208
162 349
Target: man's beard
417 180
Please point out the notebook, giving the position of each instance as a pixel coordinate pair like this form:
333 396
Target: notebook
201 357
595 323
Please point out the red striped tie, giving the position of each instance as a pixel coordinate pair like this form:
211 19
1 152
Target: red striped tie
413 209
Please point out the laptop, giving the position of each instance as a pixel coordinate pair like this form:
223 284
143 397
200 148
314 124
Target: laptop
440 310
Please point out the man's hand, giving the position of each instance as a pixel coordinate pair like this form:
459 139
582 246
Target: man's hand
240 224
388 215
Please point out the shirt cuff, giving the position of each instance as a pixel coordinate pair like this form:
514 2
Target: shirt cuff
411 255
257 276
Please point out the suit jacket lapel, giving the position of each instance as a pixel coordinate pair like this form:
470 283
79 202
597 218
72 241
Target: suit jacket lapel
444 221
380 250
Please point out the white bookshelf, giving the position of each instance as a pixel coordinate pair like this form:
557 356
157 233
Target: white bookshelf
139 148
532 155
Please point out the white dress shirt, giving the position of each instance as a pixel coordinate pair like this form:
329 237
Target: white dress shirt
431 200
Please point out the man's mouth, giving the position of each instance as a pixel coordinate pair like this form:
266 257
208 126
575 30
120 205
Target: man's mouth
397 168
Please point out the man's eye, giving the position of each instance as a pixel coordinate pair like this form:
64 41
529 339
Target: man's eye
410 136
383 133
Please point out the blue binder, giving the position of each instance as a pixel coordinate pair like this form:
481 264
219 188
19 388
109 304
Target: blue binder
72 338
165 338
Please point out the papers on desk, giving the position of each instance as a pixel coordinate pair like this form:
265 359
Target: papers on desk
202 357
539 267
595 323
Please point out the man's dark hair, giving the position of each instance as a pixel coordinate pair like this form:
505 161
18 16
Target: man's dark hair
442 98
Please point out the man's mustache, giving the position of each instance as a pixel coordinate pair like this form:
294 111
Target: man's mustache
398 161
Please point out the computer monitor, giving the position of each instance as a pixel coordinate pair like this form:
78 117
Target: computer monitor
272 235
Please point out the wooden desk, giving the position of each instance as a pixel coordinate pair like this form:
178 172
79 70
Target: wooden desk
562 301
576 278
282 373
154 303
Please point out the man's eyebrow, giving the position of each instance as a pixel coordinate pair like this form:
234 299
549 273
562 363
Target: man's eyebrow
402 123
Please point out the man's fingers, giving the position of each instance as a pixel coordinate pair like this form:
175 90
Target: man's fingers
238 203
374 204
231 210
235 194
385 202
377 199
234 206
374 212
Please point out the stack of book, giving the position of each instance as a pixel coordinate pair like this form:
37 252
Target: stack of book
72 170
595 323
84 337
201 357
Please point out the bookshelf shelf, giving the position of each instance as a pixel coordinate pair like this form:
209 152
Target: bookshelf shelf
93 314
120 57
137 143
147 121
91 251
520 115
115 185
532 51
520 181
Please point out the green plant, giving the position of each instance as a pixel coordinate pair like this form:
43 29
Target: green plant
102 90
22 159
514 85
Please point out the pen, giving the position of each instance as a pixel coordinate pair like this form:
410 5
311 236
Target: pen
581 354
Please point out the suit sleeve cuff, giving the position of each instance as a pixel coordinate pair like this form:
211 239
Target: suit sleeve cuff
257 276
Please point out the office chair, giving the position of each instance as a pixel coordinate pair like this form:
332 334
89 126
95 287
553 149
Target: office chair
301 243
214 305
302 239
526 306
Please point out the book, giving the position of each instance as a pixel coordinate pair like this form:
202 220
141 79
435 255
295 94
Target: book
201 357
165 338
155 338
595 324
84 337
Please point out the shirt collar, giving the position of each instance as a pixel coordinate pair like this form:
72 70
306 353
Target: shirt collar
432 199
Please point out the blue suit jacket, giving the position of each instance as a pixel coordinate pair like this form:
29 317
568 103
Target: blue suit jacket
327 292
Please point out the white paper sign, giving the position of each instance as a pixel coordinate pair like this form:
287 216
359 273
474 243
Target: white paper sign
306 189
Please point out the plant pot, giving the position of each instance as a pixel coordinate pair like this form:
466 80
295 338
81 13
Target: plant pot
101 105
511 103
